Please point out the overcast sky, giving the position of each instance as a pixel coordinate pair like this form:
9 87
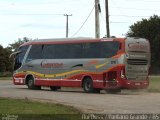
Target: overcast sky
45 18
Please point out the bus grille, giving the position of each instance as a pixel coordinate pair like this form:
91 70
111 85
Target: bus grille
137 62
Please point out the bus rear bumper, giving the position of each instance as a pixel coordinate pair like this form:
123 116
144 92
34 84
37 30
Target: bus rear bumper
134 84
127 84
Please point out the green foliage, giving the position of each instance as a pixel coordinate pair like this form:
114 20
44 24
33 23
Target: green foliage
14 46
6 78
6 65
154 84
13 106
26 110
149 29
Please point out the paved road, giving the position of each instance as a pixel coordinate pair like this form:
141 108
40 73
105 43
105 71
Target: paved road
125 102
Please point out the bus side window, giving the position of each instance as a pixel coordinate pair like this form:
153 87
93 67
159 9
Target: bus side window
75 51
87 53
35 53
110 49
61 51
48 52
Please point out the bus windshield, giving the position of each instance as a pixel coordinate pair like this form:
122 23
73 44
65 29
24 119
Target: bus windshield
19 57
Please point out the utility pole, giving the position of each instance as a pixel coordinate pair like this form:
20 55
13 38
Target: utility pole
67 31
97 25
107 19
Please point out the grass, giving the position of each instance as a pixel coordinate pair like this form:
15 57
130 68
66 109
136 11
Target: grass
27 108
154 85
5 78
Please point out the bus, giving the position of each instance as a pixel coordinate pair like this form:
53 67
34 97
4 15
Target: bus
109 64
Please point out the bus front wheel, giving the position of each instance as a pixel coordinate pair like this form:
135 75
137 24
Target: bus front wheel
30 84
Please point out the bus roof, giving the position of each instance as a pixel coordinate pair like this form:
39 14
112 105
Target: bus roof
68 40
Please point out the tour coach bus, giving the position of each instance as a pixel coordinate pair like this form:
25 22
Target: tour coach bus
93 64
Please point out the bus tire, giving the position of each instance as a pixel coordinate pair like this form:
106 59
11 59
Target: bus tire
88 85
54 88
113 91
97 90
30 84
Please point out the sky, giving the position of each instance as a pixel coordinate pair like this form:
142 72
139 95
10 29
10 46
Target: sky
44 19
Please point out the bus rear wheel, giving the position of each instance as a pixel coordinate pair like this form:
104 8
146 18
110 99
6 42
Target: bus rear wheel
113 91
88 85
97 90
55 88
30 84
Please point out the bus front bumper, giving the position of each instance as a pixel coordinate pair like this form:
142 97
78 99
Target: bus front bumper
18 81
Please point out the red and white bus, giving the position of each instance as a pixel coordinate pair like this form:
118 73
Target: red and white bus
93 64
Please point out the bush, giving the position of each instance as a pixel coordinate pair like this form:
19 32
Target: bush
5 74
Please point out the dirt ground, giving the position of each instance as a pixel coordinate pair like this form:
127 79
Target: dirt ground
125 102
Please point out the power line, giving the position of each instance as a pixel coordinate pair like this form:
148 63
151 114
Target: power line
136 9
120 10
32 14
143 1
128 16
120 22
83 23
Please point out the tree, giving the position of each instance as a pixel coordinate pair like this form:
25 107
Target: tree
149 29
6 65
2 60
8 62
14 46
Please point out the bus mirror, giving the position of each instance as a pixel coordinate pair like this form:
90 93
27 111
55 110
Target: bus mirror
13 55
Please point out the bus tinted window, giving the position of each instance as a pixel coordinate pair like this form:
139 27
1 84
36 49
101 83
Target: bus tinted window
62 51
85 50
109 49
100 49
74 51
48 52
68 51
20 56
35 52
